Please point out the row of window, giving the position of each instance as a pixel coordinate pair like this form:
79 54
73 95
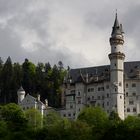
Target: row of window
133 85
99 88
98 97
69 115
131 102
107 103
90 89
134 109
133 94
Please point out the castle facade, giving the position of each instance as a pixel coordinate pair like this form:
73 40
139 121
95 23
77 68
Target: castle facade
114 87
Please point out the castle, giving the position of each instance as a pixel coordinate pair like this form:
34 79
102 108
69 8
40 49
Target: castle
26 101
114 87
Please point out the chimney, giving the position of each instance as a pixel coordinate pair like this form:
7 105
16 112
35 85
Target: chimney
46 102
38 97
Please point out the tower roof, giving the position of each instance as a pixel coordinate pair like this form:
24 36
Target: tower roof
117 28
21 89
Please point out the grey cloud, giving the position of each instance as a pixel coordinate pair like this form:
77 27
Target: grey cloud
50 24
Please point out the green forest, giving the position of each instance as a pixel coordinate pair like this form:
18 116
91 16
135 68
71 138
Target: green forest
41 78
91 124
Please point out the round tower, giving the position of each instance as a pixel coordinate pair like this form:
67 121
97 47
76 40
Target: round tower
21 94
117 57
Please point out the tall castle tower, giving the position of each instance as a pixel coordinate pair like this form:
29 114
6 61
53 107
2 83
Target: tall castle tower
117 57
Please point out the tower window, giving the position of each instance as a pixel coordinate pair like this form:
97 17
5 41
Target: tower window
115 64
126 85
120 84
120 97
126 93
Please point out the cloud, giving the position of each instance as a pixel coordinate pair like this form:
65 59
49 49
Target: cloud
76 32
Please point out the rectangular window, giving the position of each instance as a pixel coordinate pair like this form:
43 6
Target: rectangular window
78 93
134 94
71 106
92 89
79 102
126 85
107 86
107 103
128 109
133 84
134 109
107 95
131 102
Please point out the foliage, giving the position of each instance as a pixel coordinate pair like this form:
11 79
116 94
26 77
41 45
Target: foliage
34 118
40 79
93 116
15 124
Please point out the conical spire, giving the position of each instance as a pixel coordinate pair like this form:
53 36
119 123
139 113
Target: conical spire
21 88
117 28
116 23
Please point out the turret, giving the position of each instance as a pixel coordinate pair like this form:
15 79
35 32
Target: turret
117 57
21 94
117 38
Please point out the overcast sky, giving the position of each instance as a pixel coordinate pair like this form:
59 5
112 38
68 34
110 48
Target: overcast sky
74 31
